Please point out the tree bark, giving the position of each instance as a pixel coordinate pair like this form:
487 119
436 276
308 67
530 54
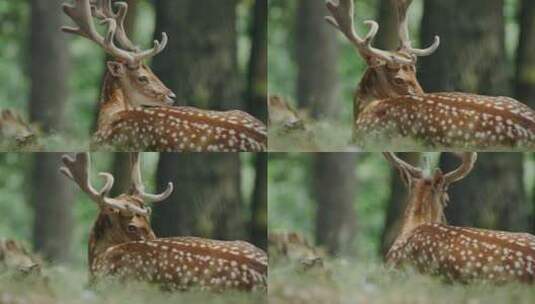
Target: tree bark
122 172
257 78
472 59
525 65
333 187
200 66
492 196
200 62
316 56
49 66
207 196
52 199
387 37
259 204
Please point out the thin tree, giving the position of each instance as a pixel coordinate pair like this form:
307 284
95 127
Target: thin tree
51 197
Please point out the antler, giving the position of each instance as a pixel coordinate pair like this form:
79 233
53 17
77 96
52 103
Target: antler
401 164
468 161
78 170
82 13
139 188
342 18
402 7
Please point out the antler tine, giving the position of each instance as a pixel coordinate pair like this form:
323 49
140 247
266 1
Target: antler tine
102 9
468 161
139 188
81 14
401 164
402 7
78 170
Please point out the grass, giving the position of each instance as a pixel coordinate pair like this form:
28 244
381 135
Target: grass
67 285
345 281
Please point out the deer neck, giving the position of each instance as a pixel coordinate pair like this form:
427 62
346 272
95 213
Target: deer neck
102 237
112 100
423 207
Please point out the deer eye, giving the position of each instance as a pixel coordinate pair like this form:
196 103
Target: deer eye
131 228
398 81
144 79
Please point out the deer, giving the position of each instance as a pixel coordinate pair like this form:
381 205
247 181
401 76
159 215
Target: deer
458 254
15 132
287 123
122 244
390 106
136 111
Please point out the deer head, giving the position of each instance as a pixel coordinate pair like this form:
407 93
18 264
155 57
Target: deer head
389 73
121 219
427 193
138 84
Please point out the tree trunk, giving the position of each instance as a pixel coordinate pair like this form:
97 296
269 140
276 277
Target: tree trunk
316 55
259 204
387 37
333 186
52 199
207 196
49 65
121 170
525 66
472 59
200 62
492 195
257 78
200 66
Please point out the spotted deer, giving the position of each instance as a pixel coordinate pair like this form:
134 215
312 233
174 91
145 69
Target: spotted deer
390 106
123 245
463 254
136 111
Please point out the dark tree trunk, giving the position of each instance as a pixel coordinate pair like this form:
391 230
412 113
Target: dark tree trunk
259 203
472 59
525 75
396 204
200 62
52 199
207 196
200 65
121 170
492 195
316 55
257 78
49 65
387 38
333 186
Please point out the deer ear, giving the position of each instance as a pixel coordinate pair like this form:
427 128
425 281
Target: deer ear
117 69
438 178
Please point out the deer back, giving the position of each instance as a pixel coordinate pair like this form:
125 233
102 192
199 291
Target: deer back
183 129
183 262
